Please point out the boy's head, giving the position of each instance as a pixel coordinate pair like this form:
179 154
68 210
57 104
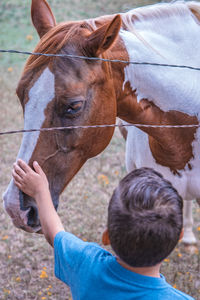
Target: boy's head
144 218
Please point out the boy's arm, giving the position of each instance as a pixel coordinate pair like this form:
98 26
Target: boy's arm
49 219
35 184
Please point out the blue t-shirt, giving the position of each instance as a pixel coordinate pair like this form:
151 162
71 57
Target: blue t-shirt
93 273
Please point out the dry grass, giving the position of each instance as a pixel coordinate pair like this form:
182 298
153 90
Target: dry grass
26 260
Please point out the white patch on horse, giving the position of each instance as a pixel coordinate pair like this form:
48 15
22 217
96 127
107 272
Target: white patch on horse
160 39
42 92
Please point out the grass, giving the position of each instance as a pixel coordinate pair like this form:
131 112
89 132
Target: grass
15 21
26 260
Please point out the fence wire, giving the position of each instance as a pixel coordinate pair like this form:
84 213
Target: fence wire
100 59
104 60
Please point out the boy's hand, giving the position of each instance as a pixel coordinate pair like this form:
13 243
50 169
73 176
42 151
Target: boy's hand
35 184
29 181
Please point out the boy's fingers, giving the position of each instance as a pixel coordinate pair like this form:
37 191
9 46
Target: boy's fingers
19 170
23 165
18 185
16 177
37 167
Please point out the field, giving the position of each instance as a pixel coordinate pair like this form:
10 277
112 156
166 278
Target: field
26 260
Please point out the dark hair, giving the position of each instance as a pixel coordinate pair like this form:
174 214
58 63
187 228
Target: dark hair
144 218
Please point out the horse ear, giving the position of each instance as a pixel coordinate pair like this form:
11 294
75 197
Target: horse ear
42 16
102 38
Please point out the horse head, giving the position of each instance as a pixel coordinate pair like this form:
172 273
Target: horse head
54 92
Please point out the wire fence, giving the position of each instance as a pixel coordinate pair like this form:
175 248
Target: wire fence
97 126
101 59
104 60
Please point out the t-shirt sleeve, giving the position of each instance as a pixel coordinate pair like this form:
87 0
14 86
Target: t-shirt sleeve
68 256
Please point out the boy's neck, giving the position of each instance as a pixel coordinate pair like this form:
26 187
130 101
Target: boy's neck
153 271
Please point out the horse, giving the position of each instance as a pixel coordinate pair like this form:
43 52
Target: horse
70 91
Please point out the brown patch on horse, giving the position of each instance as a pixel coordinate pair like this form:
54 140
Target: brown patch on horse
170 147
127 107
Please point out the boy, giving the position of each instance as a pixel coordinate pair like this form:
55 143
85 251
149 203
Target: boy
144 226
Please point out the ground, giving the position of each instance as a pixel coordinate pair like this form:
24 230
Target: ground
26 260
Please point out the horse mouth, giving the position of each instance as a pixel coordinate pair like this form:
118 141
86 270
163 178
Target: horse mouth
30 229
28 204
23 209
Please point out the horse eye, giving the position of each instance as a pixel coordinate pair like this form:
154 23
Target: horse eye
73 107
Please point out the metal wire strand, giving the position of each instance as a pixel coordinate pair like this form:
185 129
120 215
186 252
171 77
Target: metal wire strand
105 60
97 126
100 59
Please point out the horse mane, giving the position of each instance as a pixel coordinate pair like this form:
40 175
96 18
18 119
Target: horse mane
53 41
158 14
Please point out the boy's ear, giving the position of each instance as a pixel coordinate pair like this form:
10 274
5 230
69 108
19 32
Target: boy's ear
181 234
105 238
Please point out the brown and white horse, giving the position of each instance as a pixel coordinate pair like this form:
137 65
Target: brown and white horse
62 92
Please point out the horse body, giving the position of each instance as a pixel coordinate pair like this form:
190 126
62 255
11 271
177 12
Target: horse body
166 95
177 154
67 92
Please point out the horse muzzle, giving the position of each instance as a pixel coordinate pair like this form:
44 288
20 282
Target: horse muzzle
21 208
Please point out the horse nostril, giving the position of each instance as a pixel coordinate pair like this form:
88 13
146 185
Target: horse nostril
33 218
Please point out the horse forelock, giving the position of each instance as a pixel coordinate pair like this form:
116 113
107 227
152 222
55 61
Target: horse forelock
54 41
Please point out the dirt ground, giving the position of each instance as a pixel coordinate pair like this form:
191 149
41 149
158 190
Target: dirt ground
26 260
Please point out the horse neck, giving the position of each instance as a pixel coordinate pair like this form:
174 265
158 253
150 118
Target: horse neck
165 143
170 147
127 106
154 94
